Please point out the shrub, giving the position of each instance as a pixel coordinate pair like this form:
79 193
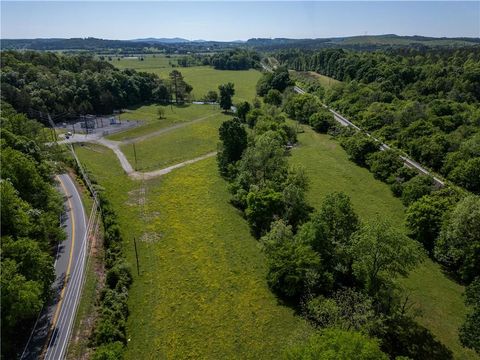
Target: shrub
358 147
383 164
416 187
322 121
111 351
337 344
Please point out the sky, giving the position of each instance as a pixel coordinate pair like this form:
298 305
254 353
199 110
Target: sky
237 20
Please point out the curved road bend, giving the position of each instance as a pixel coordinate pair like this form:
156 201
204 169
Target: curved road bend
52 330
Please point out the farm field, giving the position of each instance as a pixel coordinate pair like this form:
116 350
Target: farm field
202 291
437 298
174 114
202 78
176 146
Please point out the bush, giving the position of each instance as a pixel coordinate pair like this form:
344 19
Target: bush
111 351
273 97
384 164
358 147
416 187
119 276
322 121
337 344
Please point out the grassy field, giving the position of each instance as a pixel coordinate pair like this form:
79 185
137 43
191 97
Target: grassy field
176 146
202 78
149 63
174 114
201 293
438 298
325 81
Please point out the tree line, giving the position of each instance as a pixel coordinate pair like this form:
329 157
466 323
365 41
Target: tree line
30 228
237 59
445 221
425 103
35 82
339 272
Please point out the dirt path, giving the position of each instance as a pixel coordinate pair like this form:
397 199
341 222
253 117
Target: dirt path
126 166
151 174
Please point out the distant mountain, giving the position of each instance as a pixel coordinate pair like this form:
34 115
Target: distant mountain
181 45
163 40
362 42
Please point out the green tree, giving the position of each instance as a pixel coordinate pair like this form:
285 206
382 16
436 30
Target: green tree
263 206
416 187
331 344
467 174
243 110
359 147
293 267
226 93
347 309
322 121
470 329
384 164
380 254
301 107
234 143
458 246
273 97
180 88
424 217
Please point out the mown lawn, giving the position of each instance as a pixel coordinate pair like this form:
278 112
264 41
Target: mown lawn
201 293
177 145
438 298
148 116
202 78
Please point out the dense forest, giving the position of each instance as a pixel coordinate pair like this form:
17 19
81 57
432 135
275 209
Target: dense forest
34 82
425 103
30 228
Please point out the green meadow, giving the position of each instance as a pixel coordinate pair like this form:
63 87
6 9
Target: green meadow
147 116
201 293
437 299
176 146
202 78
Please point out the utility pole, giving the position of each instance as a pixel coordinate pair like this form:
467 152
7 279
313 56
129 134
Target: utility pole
136 255
135 154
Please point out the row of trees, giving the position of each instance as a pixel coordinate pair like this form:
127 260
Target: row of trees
339 273
237 59
37 83
31 210
425 103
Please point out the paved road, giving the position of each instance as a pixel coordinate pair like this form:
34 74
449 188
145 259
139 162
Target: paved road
52 330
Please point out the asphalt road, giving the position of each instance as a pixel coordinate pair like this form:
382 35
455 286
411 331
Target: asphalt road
50 336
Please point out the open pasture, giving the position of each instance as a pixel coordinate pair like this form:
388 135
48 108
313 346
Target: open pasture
202 291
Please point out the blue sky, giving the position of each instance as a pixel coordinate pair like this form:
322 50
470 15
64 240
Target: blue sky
237 20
